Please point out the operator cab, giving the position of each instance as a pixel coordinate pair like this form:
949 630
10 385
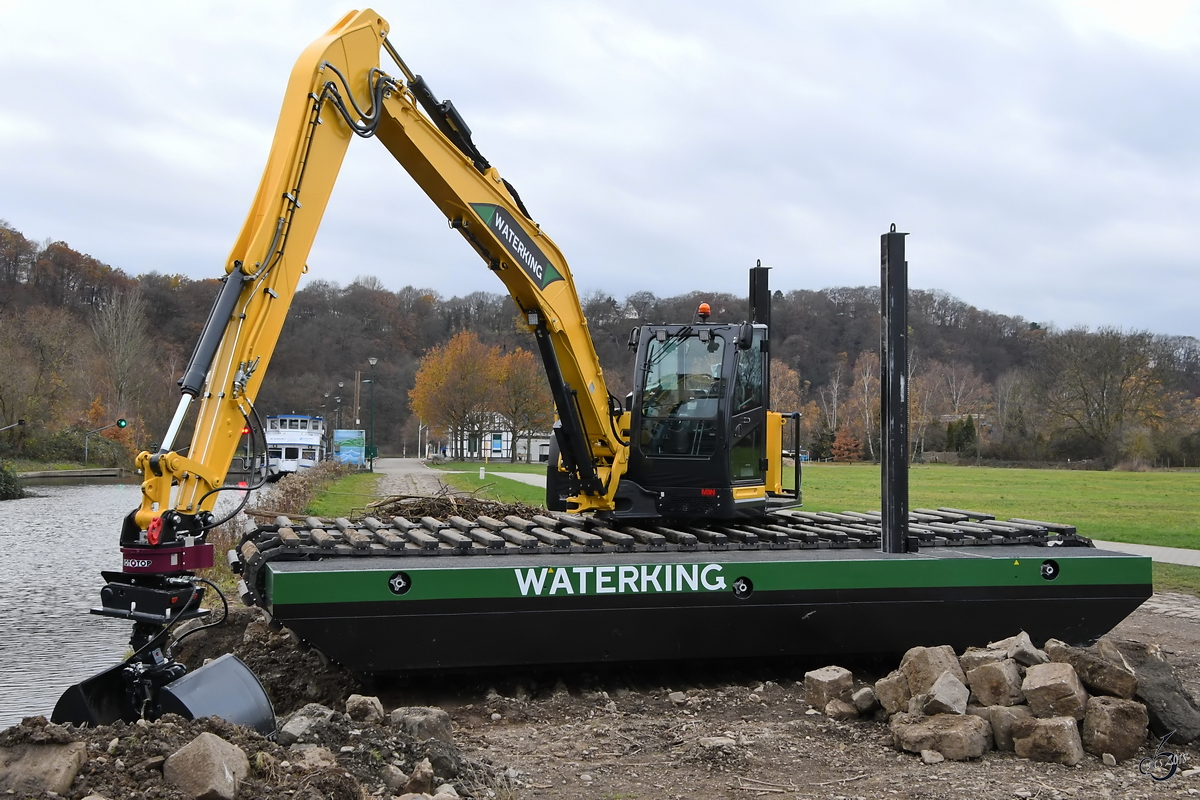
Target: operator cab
698 420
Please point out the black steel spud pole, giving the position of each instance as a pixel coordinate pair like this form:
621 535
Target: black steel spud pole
893 388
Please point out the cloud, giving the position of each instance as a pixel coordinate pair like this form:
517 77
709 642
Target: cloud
1043 157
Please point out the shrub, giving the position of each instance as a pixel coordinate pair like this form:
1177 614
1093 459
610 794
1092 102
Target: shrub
10 484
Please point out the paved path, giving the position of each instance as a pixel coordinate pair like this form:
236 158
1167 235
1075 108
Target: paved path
523 477
1166 555
1174 604
407 476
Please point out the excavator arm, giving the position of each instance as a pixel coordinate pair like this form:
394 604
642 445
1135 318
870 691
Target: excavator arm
337 91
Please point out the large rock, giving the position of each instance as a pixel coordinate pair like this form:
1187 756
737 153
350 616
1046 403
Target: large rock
892 692
1115 726
1170 706
997 683
828 683
948 695
302 725
958 738
28 769
207 768
1096 673
976 657
1055 740
422 722
1002 719
362 708
922 666
1053 690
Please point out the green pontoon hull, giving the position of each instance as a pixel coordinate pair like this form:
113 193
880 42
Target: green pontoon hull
412 612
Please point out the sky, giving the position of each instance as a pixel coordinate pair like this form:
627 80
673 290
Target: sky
1043 156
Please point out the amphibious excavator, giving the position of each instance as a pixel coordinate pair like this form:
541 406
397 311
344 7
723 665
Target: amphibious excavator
670 532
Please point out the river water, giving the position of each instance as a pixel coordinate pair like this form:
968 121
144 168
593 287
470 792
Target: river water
53 545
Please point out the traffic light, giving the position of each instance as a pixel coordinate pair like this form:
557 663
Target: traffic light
121 423
245 430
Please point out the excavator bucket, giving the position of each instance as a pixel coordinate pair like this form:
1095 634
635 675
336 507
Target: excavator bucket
99 700
224 688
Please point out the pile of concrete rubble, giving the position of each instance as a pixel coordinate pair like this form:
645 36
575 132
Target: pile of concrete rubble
1054 704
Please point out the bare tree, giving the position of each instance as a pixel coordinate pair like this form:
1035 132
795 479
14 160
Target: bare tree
924 390
1103 384
831 393
43 379
125 350
866 397
965 389
787 394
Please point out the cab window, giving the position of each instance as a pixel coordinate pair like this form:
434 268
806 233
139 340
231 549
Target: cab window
748 381
681 396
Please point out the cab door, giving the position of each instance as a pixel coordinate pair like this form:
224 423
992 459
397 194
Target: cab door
748 414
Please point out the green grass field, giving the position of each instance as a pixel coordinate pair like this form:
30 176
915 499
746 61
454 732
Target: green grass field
345 495
493 487
27 465
1176 578
1160 508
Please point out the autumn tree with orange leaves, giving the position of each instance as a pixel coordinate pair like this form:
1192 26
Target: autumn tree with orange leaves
846 446
457 387
523 399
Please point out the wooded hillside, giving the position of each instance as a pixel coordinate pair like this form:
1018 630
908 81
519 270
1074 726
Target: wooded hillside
83 342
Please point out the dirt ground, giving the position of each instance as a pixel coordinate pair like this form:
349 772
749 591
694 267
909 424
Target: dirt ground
609 736
616 734
621 737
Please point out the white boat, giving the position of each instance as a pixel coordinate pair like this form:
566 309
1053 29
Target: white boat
294 442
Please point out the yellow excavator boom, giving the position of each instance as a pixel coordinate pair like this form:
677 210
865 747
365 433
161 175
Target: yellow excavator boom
337 91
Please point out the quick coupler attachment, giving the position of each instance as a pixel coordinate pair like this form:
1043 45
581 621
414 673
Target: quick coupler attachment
150 599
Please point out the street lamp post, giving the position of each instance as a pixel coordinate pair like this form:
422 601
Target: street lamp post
118 424
371 450
328 435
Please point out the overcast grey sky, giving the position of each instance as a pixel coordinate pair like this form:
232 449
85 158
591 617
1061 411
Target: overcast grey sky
1045 156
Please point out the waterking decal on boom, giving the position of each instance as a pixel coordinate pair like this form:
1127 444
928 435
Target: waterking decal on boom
518 244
